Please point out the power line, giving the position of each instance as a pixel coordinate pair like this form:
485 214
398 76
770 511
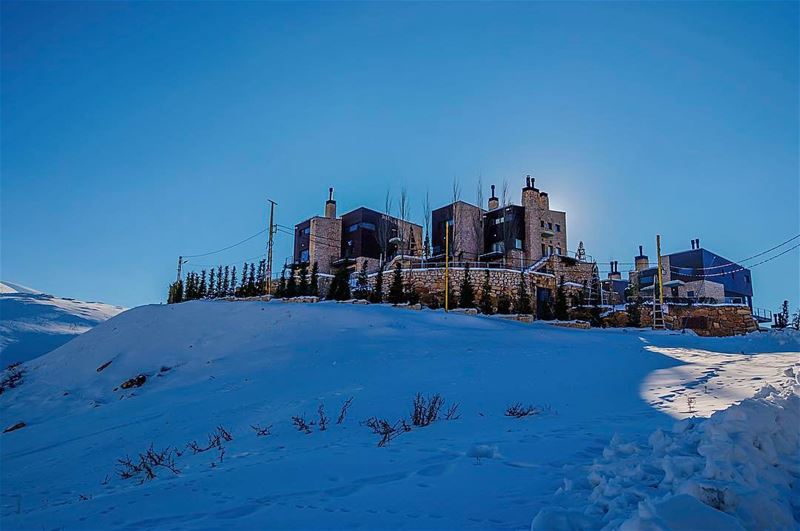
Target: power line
228 247
743 268
719 266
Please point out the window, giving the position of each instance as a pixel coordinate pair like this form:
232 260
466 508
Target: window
544 250
558 229
550 226
499 221
690 294
304 255
747 278
498 247
558 251
542 222
306 231
517 243
551 249
353 227
367 225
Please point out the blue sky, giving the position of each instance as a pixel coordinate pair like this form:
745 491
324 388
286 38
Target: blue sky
135 132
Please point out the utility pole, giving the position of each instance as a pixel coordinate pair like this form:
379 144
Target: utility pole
269 244
181 261
658 311
446 265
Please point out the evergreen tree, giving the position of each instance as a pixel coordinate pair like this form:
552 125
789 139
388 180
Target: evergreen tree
523 302
260 281
466 298
339 289
226 282
211 293
412 295
504 304
252 289
302 286
291 283
188 290
560 306
242 291
232 289
313 289
362 282
175 292
203 285
219 292
546 311
396 294
485 303
634 313
280 291
377 294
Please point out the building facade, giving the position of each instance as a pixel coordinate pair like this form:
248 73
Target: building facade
359 235
517 235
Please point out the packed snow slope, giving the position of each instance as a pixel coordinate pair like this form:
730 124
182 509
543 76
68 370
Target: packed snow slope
33 323
242 364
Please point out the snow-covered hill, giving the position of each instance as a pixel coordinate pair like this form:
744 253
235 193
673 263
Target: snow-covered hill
33 323
218 368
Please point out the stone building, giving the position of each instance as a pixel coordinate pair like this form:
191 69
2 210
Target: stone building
357 236
516 235
694 274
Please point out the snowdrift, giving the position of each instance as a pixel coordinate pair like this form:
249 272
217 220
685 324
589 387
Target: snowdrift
253 368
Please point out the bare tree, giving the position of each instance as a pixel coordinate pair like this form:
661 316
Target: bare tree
385 227
426 212
454 229
477 219
404 212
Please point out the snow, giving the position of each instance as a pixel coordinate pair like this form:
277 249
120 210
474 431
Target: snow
240 364
34 323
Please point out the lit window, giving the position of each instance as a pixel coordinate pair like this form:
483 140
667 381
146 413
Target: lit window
306 231
353 227
304 255
517 243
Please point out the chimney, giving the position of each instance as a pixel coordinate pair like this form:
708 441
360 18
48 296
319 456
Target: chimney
614 274
493 201
641 261
697 242
330 205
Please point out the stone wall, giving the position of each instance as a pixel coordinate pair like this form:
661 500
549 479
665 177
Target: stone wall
705 320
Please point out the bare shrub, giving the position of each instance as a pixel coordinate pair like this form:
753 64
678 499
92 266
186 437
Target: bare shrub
144 466
301 424
12 377
343 411
424 410
323 420
452 413
262 432
215 440
518 410
385 429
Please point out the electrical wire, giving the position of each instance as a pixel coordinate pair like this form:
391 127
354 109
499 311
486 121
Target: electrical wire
259 233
